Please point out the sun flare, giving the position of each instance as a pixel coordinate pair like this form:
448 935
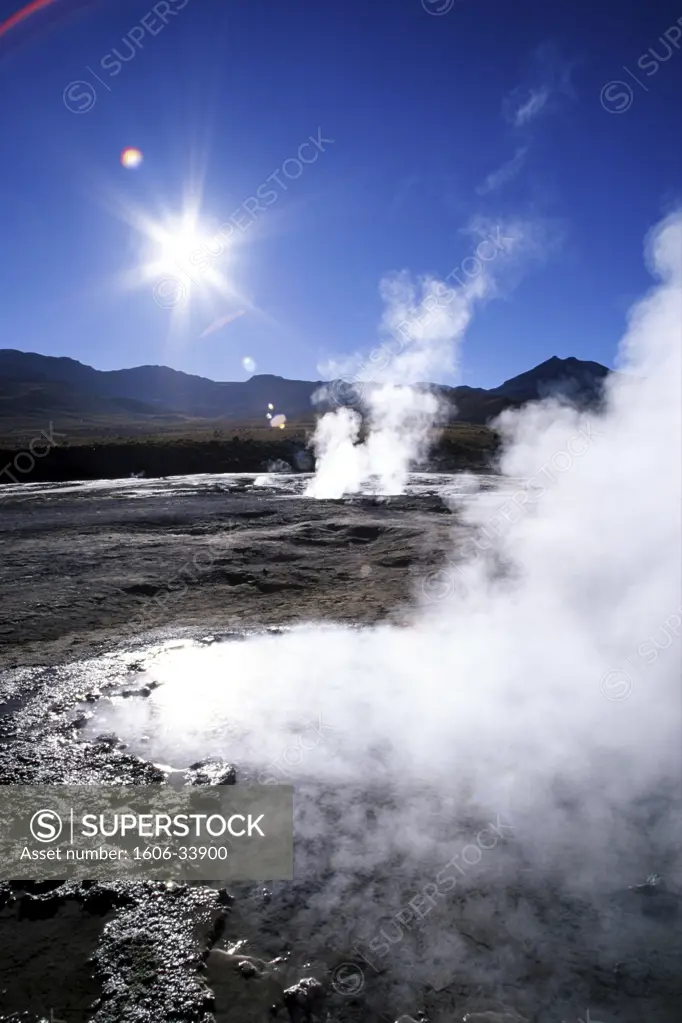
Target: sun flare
131 157
180 243
180 248
182 259
185 260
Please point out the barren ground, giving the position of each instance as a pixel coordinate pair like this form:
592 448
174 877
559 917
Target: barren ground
79 564
88 571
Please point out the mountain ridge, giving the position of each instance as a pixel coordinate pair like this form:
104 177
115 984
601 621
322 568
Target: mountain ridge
34 386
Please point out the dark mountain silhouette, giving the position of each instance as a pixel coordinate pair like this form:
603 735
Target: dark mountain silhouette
570 378
38 387
39 382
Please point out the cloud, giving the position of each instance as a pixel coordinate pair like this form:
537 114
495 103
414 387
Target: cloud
534 105
530 242
505 173
548 78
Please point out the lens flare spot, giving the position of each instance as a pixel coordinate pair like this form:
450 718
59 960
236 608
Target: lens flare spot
278 421
131 157
271 407
249 364
268 415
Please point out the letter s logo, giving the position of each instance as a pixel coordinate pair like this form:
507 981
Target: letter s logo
46 825
79 97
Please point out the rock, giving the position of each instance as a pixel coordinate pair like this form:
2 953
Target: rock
109 739
304 999
653 898
653 884
243 985
142 691
248 968
99 899
6 895
212 771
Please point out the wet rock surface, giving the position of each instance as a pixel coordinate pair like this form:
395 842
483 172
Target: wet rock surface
108 952
78 587
86 574
211 771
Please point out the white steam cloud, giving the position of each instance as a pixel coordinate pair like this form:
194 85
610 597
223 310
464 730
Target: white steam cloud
541 689
422 328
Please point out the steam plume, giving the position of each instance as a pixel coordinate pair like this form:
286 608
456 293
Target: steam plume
423 325
541 688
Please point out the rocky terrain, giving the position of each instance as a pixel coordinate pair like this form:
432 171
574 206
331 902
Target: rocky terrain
88 568
94 578
87 573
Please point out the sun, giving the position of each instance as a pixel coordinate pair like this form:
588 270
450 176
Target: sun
184 260
178 244
180 247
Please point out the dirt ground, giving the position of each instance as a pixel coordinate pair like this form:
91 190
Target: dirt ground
88 571
82 572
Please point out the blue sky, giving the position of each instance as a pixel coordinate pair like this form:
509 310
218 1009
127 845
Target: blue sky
487 111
